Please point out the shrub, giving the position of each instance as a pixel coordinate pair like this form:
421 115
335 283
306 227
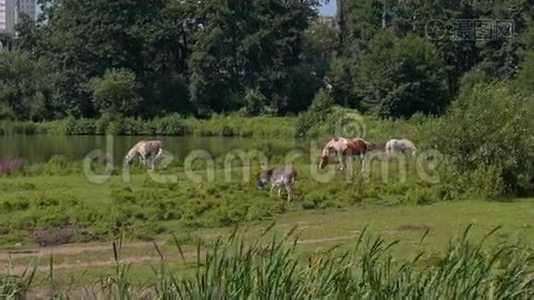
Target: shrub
116 92
489 129
170 125
318 112
255 102
57 165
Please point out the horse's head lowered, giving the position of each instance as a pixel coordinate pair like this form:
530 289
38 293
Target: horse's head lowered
323 161
264 177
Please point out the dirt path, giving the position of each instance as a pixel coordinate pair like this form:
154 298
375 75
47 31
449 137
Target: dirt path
70 249
76 250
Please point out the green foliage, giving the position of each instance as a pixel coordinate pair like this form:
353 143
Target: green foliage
399 77
17 286
257 52
261 57
523 83
255 102
317 113
489 128
116 93
470 79
253 270
24 91
232 125
342 74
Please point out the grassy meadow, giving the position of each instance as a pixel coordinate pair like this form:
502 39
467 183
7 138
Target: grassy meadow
151 219
394 231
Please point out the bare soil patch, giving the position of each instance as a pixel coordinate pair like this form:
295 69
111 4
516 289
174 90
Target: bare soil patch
412 228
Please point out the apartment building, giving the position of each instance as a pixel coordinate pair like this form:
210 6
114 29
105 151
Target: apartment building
27 7
10 10
3 15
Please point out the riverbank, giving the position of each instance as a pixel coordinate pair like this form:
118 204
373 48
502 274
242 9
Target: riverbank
173 125
338 122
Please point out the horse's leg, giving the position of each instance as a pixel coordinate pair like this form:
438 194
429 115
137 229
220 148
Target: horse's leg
271 190
289 192
158 155
152 162
342 160
362 162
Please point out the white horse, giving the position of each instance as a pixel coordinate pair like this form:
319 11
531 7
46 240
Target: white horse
402 146
146 150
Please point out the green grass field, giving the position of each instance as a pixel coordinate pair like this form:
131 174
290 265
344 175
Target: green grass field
82 264
325 215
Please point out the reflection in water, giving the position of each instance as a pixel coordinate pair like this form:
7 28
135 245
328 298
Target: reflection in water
40 148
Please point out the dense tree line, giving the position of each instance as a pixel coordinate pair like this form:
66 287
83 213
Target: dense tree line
150 58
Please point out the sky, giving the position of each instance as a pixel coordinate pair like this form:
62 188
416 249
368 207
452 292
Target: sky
328 9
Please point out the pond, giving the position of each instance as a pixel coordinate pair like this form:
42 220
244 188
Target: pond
40 148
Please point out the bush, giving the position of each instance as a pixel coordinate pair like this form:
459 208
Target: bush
57 165
317 113
116 92
255 102
170 125
489 130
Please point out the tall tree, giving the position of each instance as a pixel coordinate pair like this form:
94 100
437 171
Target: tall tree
24 90
399 77
252 45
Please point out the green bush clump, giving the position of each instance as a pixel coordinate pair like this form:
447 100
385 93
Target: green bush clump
488 132
170 125
318 112
59 165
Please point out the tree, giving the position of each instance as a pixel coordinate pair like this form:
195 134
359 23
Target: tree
258 51
399 77
116 93
24 91
85 38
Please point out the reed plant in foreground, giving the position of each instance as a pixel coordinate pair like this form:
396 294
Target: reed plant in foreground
274 268
233 269
16 286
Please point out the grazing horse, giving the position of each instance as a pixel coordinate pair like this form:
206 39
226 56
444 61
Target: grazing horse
403 146
282 178
146 150
344 147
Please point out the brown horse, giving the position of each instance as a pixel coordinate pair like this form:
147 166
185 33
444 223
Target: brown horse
344 147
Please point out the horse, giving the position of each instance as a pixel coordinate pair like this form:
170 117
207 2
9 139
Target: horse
281 177
403 146
146 150
344 147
